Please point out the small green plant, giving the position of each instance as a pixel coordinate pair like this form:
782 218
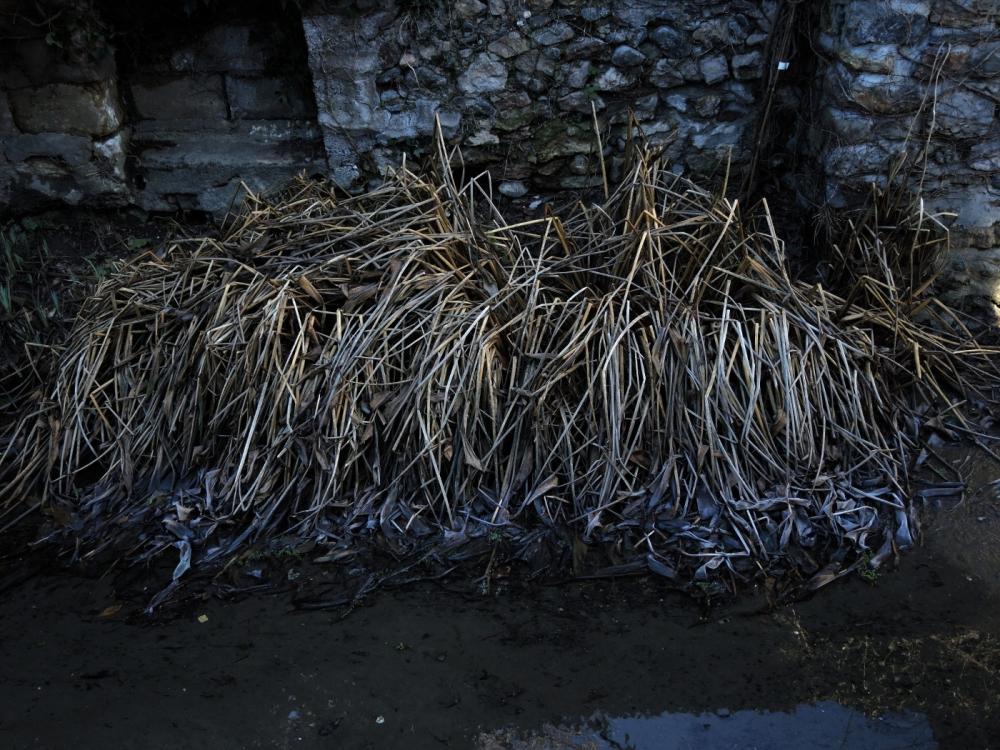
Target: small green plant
867 571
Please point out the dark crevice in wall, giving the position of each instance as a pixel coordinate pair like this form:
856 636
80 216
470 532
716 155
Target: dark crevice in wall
217 95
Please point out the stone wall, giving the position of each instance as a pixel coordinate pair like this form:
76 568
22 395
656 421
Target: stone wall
914 86
517 82
62 128
167 109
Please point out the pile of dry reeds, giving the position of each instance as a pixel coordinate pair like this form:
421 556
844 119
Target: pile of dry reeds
406 364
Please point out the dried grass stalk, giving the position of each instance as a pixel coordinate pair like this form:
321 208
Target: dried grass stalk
405 363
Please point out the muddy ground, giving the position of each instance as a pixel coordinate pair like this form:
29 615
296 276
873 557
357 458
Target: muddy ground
916 648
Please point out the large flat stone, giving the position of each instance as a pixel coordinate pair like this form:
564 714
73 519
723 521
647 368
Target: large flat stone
195 97
270 98
70 149
964 114
82 109
199 170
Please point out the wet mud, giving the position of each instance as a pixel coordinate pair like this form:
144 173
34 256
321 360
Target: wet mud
908 657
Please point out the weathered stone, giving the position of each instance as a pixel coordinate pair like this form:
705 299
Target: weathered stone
645 106
748 66
985 60
527 62
707 105
627 57
670 40
870 58
858 160
509 45
872 23
483 137
882 94
594 12
73 150
468 8
585 46
581 101
199 170
270 98
963 114
714 68
513 189
985 157
85 109
665 74
485 73
577 74
613 79
553 33
188 98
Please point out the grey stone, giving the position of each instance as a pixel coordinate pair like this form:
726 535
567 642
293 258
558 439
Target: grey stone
963 114
513 189
748 66
485 73
714 68
498 7
645 106
188 98
577 74
270 98
580 101
594 12
875 23
527 62
509 45
199 170
73 150
985 60
862 159
670 40
585 46
627 57
468 8
546 65
871 58
665 74
985 157
613 79
84 109
707 105
881 94
553 33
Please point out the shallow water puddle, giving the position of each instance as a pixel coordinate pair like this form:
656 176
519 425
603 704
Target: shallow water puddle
822 726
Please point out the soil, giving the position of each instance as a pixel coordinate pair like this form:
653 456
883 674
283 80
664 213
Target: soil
910 658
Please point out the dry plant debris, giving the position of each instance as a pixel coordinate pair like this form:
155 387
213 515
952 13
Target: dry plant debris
406 365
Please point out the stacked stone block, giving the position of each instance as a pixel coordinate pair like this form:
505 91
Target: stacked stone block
62 127
223 107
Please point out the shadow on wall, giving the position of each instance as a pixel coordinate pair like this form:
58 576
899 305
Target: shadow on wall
168 109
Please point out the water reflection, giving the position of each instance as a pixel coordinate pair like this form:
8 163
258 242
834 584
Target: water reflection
818 727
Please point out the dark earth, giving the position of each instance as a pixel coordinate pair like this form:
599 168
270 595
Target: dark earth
906 658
